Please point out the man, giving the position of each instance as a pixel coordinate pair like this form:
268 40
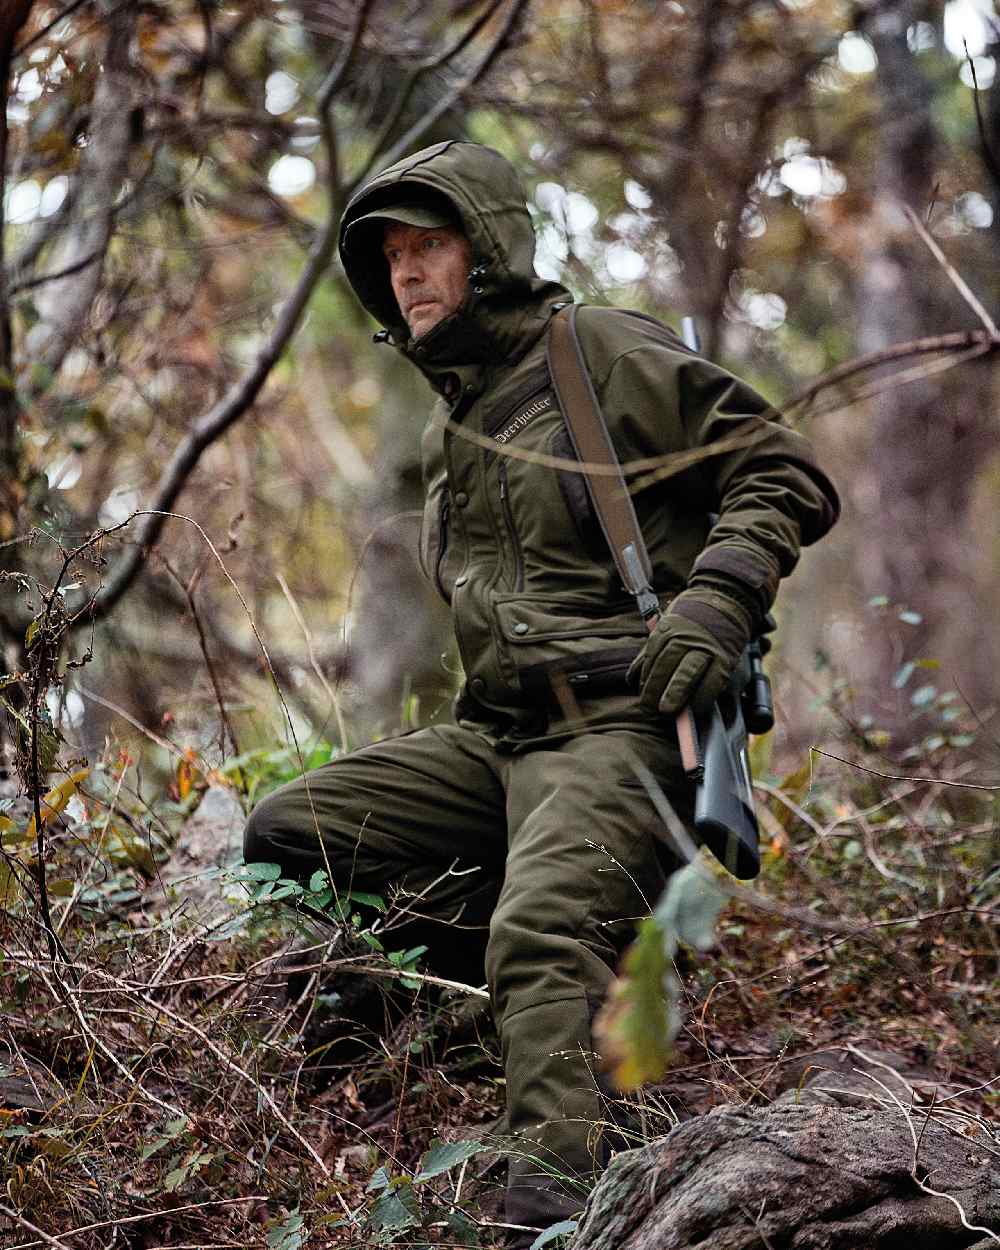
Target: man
522 832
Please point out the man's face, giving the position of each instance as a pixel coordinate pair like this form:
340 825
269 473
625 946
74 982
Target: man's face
429 272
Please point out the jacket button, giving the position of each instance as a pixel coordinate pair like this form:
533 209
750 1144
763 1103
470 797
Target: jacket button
521 628
477 685
461 499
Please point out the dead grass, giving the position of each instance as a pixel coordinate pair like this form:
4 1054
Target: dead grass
148 1099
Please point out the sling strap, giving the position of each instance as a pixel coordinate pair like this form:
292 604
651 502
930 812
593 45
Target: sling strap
609 492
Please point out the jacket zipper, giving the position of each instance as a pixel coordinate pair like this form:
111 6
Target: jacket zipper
442 547
511 531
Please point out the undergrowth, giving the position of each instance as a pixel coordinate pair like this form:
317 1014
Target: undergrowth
164 1083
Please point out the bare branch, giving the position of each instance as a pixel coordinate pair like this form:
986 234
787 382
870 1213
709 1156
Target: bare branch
927 781
233 405
103 170
990 159
337 74
40 34
953 275
450 99
430 63
13 19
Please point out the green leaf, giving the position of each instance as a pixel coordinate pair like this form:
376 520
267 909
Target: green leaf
690 907
462 1228
290 1234
63 888
442 1156
173 1180
379 1180
639 1020
259 872
151 1148
285 889
369 900
395 1210
563 1229
317 882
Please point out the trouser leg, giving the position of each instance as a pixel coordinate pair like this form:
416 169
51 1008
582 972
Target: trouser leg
423 814
583 866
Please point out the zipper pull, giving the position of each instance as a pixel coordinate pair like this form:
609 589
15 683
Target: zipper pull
502 471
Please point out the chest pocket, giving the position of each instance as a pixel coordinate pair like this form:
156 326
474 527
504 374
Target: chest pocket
533 421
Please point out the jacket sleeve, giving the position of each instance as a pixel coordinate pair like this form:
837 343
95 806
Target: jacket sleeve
771 495
760 476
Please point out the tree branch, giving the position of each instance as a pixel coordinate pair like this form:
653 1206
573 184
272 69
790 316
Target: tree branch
103 169
12 20
448 101
233 405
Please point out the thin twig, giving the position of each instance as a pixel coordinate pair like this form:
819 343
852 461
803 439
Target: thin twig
32 1228
331 694
233 405
989 156
935 1193
158 1215
926 781
337 74
954 276
420 128
188 1026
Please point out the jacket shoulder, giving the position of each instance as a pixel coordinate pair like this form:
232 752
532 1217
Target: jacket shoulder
606 334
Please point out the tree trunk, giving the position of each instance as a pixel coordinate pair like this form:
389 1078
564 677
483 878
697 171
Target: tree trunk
805 1173
929 436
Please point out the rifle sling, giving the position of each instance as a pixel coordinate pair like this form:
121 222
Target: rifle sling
608 492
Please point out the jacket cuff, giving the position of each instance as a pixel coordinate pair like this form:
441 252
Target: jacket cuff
749 574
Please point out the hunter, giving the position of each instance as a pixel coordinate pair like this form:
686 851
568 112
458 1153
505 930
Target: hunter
520 837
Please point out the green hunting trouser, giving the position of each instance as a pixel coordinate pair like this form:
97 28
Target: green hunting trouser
543 858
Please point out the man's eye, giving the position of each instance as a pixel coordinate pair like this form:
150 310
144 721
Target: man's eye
432 241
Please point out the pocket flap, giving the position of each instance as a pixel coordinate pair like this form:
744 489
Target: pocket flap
527 620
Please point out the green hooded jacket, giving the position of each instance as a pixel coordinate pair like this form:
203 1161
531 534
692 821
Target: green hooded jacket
512 544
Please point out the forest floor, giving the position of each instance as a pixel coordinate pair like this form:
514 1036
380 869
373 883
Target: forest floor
153 1094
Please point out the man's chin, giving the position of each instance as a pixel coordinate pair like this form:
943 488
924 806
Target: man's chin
419 326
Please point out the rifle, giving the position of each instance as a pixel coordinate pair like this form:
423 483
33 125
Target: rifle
714 754
724 813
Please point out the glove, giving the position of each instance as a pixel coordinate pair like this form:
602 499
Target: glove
691 654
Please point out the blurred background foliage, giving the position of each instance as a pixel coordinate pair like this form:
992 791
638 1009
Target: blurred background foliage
177 336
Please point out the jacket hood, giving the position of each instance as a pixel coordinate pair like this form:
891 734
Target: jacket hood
507 305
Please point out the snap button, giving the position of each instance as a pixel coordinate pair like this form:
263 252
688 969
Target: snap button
461 499
470 389
521 628
477 685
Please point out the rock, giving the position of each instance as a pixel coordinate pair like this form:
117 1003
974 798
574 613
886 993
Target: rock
211 838
800 1176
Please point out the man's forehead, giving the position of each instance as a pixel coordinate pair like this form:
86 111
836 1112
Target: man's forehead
397 232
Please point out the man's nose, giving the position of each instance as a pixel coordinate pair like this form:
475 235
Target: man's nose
410 268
